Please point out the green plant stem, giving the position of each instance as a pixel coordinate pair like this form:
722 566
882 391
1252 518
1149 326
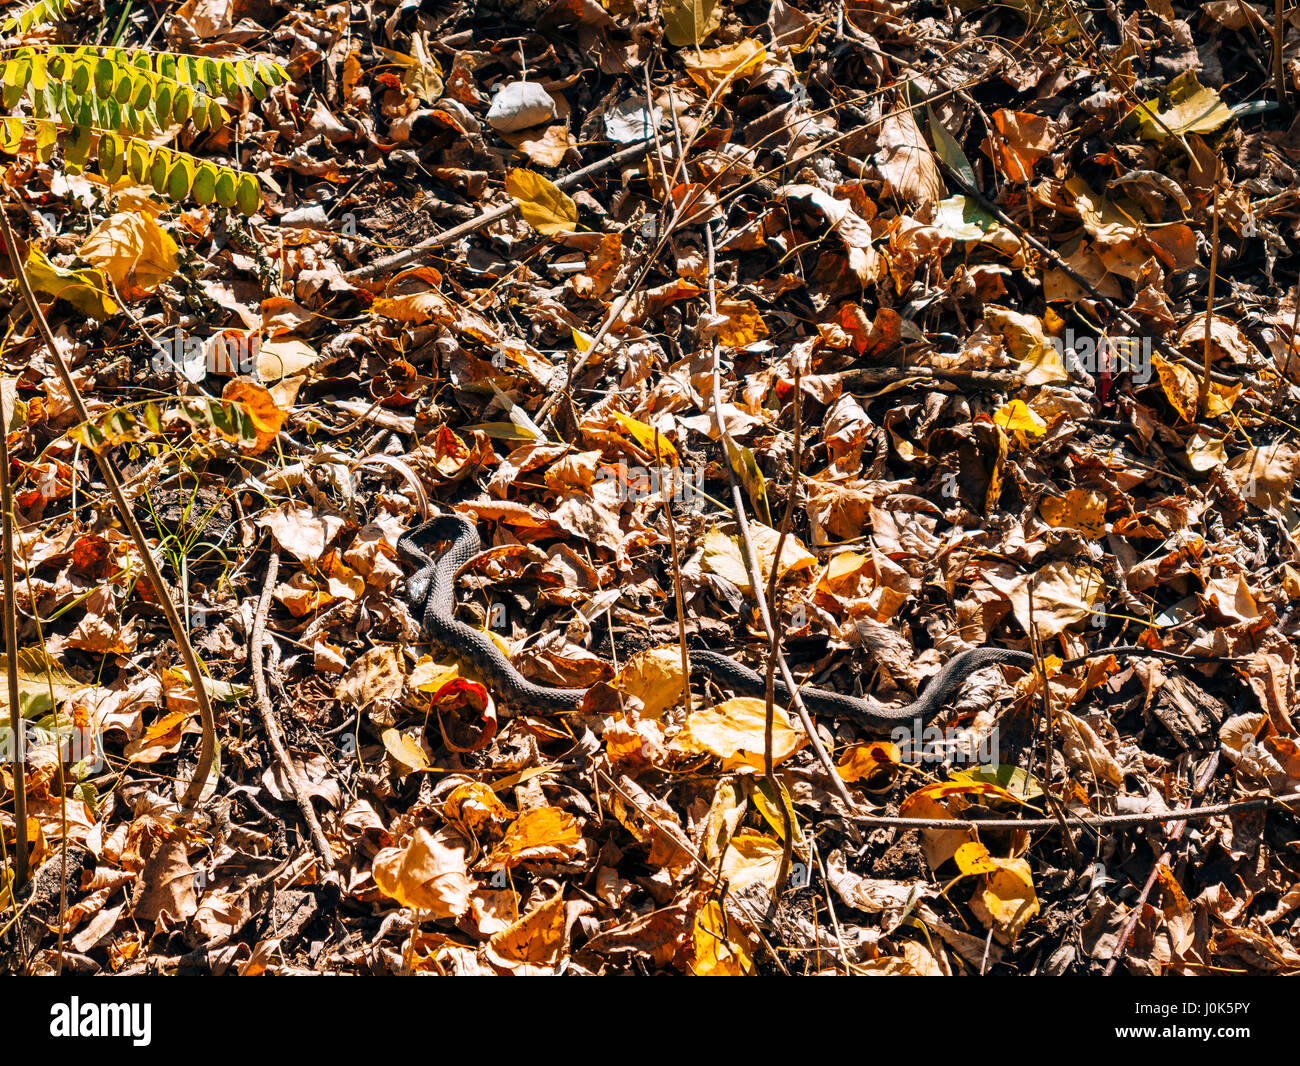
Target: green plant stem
161 590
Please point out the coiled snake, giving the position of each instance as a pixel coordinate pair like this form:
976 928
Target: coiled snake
431 593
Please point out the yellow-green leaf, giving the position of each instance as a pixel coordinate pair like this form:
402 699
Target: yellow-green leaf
84 289
179 179
205 183
1193 108
248 194
11 134
543 204
689 22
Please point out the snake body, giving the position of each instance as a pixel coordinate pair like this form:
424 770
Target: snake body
431 594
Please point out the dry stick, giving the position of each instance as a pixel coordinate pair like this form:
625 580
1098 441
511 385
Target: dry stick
569 181
1203 392
769 710
677 580
1103 821
888 375
830 904
1175 835
1279 70
18 735
751 559
161 590
257 642
1049 729
1065 268
1292 348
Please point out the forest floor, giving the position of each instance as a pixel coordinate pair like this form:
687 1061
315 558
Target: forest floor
904 328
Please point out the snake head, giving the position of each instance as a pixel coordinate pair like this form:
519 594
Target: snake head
417 588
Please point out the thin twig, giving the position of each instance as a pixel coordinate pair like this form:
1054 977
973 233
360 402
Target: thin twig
769 710
1279 67
968 379
162 591
1175 835
750 556
677 579
400 259
257 642
18 734
1203 391
1104 821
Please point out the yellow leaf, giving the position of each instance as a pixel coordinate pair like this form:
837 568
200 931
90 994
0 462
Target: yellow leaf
943 789
535 944
733 732
428 874
40 678
744 324
752 859
689 22
723 556
973 858
712 67
721 947
281 358
543 204
85 289
1192 109
653 676
876 763
161 738
544 834
645 437
1179 384
1081 509
1016 417
405 751
1006 901
475 808
133 250
548 150
1026 340
1064 593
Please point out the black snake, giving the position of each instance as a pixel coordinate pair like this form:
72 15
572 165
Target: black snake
431 594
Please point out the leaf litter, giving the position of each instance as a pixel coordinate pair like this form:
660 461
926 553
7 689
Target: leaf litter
974 243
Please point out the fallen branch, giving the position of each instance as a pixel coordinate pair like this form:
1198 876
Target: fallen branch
18 735
1104 821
